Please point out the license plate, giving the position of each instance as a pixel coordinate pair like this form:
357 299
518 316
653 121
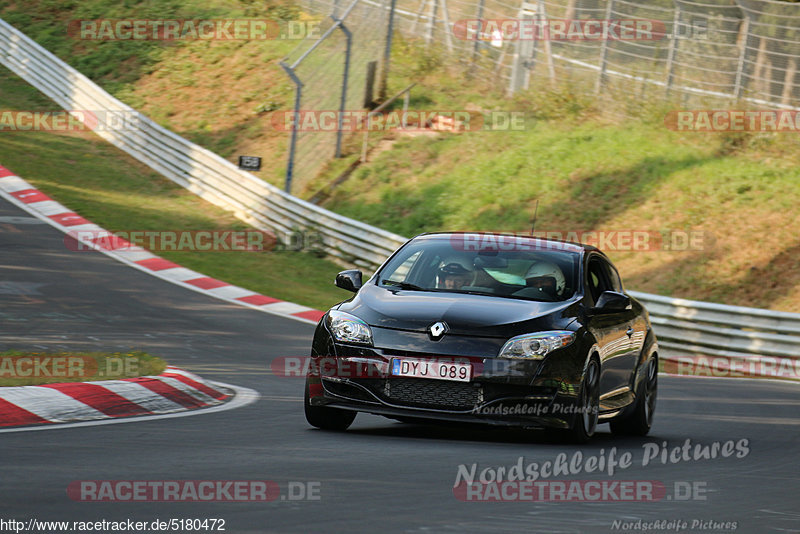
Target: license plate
439 370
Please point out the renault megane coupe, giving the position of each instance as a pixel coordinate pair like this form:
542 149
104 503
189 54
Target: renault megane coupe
487 328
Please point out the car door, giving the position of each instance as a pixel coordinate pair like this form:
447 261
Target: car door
637 331
613 333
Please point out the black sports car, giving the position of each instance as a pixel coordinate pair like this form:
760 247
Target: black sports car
490 328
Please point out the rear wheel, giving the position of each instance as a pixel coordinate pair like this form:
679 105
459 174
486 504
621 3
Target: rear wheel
585 422
327 418
639 421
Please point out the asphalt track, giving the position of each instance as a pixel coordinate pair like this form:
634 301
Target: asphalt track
380 476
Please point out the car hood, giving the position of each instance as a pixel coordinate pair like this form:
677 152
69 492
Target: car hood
465 314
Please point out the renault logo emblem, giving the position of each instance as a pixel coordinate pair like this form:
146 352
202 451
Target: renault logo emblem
437 330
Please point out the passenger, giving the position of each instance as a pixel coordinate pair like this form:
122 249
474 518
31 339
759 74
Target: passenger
547 278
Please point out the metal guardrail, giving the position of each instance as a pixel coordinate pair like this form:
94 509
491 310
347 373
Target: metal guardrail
743 336
683 327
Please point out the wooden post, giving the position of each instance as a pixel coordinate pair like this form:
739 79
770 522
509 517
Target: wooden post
601 74
744 39
788 82
673 49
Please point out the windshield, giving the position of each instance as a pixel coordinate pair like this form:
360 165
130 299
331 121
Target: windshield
435 264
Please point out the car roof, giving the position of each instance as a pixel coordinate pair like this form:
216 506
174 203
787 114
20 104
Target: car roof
555 244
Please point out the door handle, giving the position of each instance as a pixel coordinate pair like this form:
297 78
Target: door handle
629 331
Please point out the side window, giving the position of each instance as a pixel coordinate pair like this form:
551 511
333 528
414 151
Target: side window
613 276
602 277
401 274
596 278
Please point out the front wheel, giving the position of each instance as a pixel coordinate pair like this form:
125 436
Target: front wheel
639 421
326 418
585 422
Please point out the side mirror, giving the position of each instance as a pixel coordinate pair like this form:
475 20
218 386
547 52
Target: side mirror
612 302
349 280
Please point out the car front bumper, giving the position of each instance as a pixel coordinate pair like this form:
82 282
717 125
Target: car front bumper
517 393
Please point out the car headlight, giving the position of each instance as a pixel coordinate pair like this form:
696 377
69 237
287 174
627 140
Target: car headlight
536 346
348 328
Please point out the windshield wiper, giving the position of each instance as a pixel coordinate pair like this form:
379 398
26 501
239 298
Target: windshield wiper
403 285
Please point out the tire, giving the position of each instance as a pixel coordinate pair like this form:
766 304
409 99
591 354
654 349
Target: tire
585 422
640 419
326 418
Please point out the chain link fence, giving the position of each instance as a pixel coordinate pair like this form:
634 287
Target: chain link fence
701 51
338 72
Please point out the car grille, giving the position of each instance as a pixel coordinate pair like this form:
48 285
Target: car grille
427 393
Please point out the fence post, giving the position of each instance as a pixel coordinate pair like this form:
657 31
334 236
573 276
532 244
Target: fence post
788 82
478 35
448 30
387 53
421 9
369 86
601 74
548 45
431 22
520 66
295 122
738 84
345 79
673 49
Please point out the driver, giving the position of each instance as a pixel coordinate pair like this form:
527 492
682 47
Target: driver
547 278
454 274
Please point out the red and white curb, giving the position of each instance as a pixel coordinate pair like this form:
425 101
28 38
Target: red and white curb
174 390
25 196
